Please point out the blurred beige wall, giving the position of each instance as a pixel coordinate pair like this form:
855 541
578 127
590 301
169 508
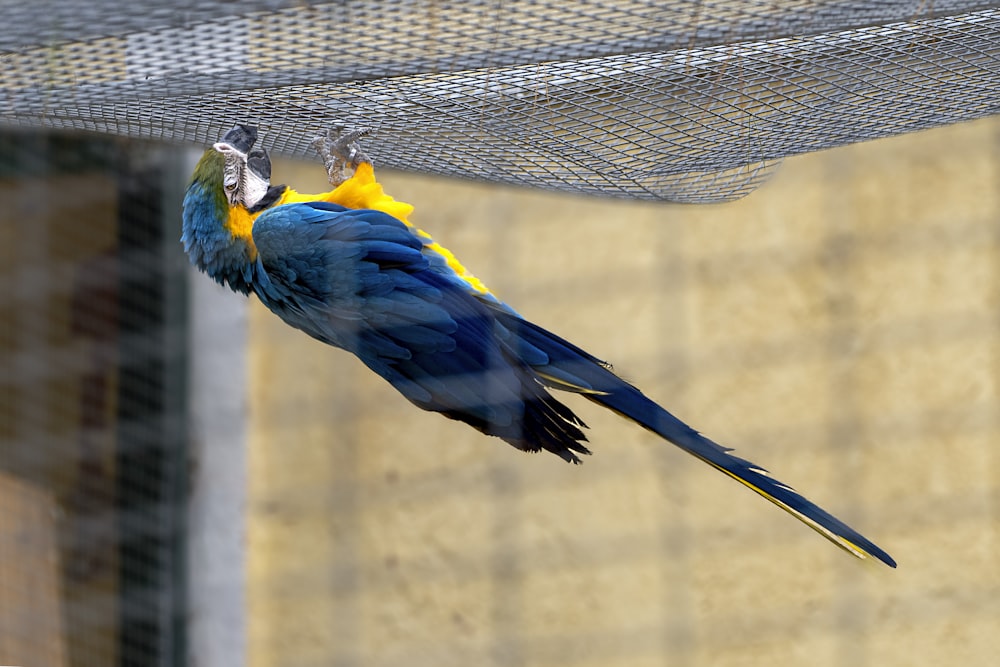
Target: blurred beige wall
839 326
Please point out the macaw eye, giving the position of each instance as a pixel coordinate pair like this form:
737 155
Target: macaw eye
230 181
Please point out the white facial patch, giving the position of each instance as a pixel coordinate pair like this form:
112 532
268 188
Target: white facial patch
254 188
242 185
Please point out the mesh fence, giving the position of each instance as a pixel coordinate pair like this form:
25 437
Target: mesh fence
840 330
838 326
684 101
91 414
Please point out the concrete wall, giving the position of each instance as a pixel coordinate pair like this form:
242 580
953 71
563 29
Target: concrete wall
839 327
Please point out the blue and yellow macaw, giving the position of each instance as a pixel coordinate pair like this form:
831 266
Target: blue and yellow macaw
348 268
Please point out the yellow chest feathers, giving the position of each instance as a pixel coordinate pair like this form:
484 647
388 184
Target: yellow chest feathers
240 225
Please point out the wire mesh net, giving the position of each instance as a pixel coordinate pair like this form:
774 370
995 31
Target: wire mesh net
840 330
91 423
683 101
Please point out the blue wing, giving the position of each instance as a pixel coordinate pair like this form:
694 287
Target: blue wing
358 279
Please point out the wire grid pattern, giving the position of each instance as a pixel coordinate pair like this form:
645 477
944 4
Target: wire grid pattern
683 101
847 343
90 426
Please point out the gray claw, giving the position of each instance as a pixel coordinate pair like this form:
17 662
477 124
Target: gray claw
340 152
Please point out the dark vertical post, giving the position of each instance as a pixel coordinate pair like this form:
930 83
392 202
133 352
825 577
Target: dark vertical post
150 424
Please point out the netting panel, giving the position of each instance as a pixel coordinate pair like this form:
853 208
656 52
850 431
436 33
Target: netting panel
92 427
683 101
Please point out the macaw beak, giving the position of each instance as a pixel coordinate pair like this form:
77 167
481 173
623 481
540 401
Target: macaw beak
260 163
241 137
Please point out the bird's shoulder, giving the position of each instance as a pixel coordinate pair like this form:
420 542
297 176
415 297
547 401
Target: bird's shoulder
321 248
298 226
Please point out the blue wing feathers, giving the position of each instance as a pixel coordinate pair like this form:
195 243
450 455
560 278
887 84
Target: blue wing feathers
390 255
358 279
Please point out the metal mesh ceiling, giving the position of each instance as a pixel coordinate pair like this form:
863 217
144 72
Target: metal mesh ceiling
657 99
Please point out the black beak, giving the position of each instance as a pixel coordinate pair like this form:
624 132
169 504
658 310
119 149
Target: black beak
260 163
241 137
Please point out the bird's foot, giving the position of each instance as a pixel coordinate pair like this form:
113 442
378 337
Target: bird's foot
341 153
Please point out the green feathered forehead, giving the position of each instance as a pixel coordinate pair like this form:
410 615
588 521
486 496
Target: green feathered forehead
212 163
209 174
210 167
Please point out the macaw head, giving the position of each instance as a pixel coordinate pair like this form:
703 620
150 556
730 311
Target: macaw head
230 180
232 171
245 172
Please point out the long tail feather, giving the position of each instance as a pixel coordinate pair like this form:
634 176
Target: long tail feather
599 384
631 403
